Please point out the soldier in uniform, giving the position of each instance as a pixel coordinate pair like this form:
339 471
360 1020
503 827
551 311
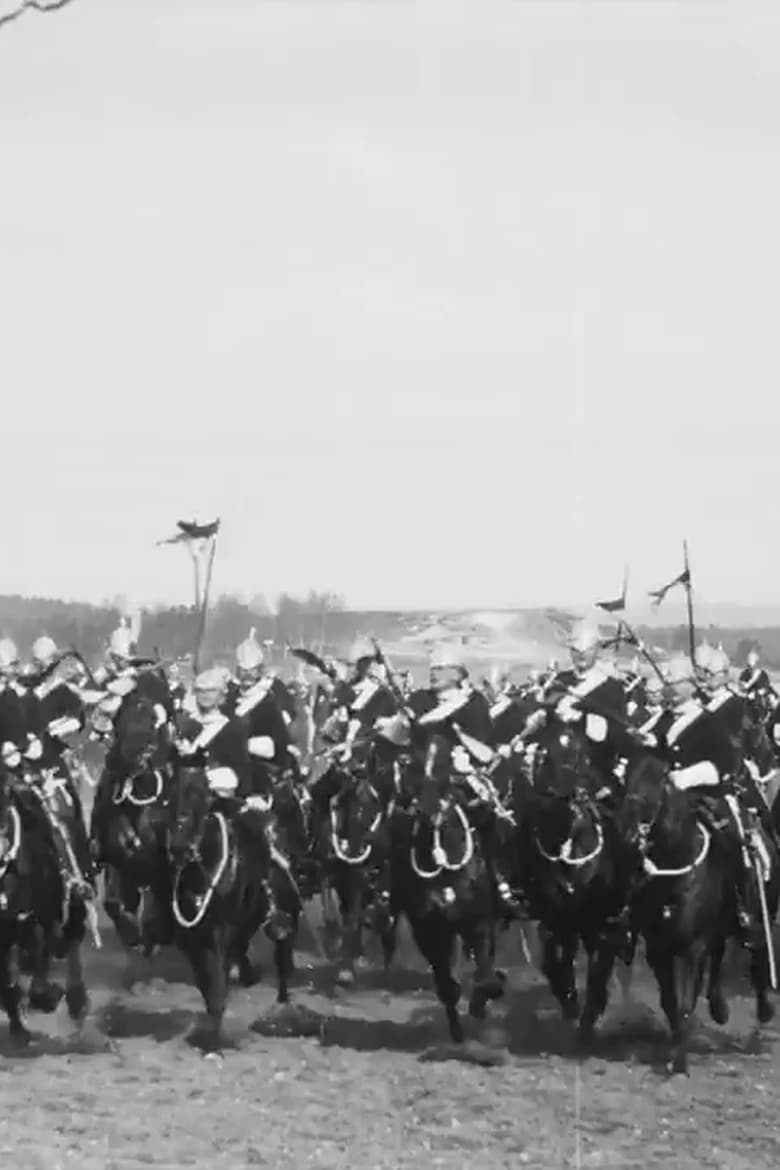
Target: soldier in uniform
588 682
120 676
754 679
34 723
226 746
255 697
363 703
451 707
704 757
15 734
56 713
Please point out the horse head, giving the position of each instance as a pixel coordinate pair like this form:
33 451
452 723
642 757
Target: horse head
357 810
754 741
561 765
142 735
190 805
646 789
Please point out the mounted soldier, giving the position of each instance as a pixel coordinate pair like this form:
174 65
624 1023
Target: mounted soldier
56 713
122 674
361 703
754 680
229 751
34 725
257 697
695 730
591 693
460 713
253 676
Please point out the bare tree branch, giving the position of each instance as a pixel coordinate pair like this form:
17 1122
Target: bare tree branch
33 6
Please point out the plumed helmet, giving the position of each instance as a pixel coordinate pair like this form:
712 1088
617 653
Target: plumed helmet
446 654
44 650
210 681
677 670
9 655
361 648
703 656
753 658
249 654
585 638
121 641
719 661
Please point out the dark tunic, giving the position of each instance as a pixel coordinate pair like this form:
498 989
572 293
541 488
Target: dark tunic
220 743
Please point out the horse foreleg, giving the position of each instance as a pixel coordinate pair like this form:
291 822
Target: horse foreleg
209 961
349 888
719 1008
558 954
76 996
330 923
11 996
122 903
680 982
489 984
601 960
760 981
283 959
434 938
44 995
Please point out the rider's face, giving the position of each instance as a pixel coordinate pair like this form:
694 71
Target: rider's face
248 677
208 700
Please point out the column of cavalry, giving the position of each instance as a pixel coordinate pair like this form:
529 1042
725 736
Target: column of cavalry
603 800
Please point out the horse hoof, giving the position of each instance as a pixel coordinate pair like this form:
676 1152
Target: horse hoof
78 1001
345 978
719 1010
570 1007
765 1011
249 973
20 1036
46 999
586 1033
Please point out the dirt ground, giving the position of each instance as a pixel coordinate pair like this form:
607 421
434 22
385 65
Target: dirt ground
376 1085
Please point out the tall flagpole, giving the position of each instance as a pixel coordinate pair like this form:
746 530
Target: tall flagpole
205 606
689 597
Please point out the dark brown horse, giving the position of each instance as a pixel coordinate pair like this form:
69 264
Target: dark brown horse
220 869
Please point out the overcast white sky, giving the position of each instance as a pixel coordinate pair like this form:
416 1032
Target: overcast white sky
433 303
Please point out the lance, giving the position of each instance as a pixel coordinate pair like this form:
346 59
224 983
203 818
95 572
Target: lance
689 598
204 605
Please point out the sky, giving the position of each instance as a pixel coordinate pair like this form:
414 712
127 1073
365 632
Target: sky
433 304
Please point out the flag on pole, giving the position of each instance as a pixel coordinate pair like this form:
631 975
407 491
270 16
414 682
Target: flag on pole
657 595
190 531
617 604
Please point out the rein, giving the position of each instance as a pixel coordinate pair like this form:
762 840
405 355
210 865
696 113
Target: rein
9 856
340 845
438 853
202 901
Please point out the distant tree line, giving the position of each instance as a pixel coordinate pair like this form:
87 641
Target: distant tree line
319 621
736 642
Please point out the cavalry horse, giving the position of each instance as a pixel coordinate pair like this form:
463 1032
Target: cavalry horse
134 833
690 879
570 865
41 915
352 841
220 875
441 882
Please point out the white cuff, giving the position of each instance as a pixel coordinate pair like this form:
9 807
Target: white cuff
262 746
66 725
